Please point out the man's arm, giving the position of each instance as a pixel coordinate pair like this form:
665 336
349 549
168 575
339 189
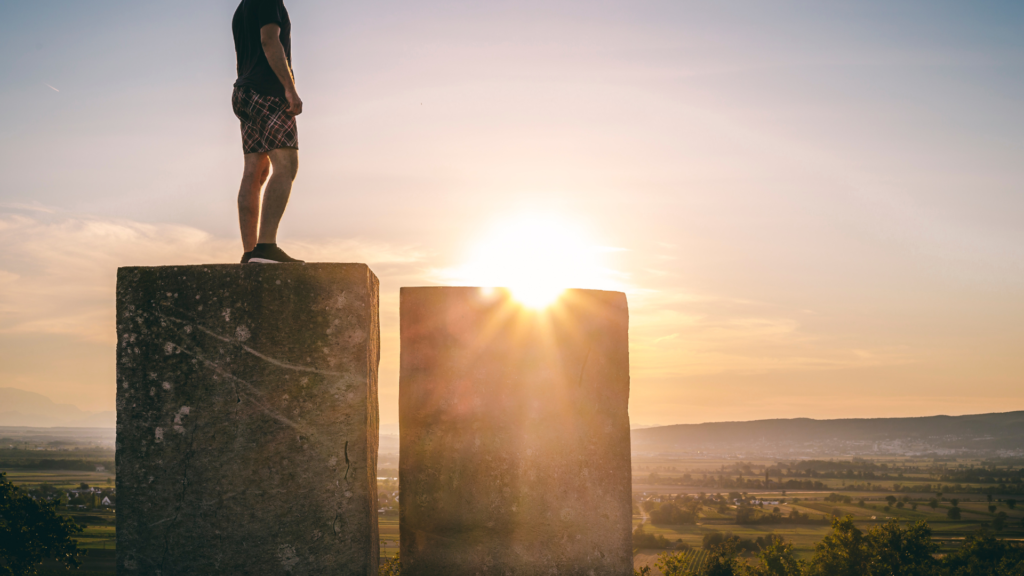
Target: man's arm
270 37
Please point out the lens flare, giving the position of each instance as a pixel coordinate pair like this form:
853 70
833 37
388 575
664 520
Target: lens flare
536 258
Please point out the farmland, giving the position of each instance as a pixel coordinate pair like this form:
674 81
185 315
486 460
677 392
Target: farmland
870 490
745 497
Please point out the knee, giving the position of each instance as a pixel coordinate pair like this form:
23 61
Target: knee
286 163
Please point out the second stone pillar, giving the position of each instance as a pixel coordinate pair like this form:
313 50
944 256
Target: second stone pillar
515 454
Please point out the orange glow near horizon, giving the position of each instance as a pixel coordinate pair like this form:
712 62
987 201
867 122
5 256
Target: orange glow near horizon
536 258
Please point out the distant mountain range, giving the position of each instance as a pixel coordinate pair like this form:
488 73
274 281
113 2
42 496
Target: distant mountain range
994 435
23 408
1000 434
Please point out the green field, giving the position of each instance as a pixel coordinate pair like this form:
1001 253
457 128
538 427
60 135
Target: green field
662 477
948 533
63 479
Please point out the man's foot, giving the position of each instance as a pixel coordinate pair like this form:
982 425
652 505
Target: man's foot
246 256
269 254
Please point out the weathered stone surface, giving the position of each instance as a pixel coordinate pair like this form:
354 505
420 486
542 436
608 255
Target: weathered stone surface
514 434
247 420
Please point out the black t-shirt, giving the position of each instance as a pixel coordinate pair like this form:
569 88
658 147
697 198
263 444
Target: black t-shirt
254 70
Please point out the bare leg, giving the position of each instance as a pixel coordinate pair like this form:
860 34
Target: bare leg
279 188
257 168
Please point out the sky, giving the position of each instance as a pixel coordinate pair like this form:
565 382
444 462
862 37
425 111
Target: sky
816 209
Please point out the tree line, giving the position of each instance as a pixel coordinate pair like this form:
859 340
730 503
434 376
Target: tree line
886 550
55 464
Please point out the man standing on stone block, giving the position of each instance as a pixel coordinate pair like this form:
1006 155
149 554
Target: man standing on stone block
266 103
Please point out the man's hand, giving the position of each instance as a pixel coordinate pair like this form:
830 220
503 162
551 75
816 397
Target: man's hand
294 102
270 38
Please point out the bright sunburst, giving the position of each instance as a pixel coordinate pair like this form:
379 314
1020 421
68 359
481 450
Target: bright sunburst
537 258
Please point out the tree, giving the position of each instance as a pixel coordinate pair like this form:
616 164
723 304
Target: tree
900 504
744 515
721 561
999 522
672 564
842 553
953 513
669 513
982 554
913 506
1011 503
896 551
713 539
955 502
31 531
933 503
641 539
891 500
777 559
992 508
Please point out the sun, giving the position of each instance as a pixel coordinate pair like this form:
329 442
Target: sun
536 258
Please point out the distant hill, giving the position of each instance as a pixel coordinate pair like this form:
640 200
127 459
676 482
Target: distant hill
23 408
1000 434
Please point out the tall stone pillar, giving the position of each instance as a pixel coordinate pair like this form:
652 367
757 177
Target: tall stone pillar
515 455
247 420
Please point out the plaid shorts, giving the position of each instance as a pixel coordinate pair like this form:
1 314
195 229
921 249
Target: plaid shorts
266 124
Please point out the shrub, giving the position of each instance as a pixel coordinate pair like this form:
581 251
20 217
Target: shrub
669 513
641 539
390 567
999 522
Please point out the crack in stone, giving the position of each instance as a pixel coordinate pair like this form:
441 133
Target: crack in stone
348 463
255 353
266 409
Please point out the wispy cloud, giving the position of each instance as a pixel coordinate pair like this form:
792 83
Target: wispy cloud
58 271
28 207
51 87
676 335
